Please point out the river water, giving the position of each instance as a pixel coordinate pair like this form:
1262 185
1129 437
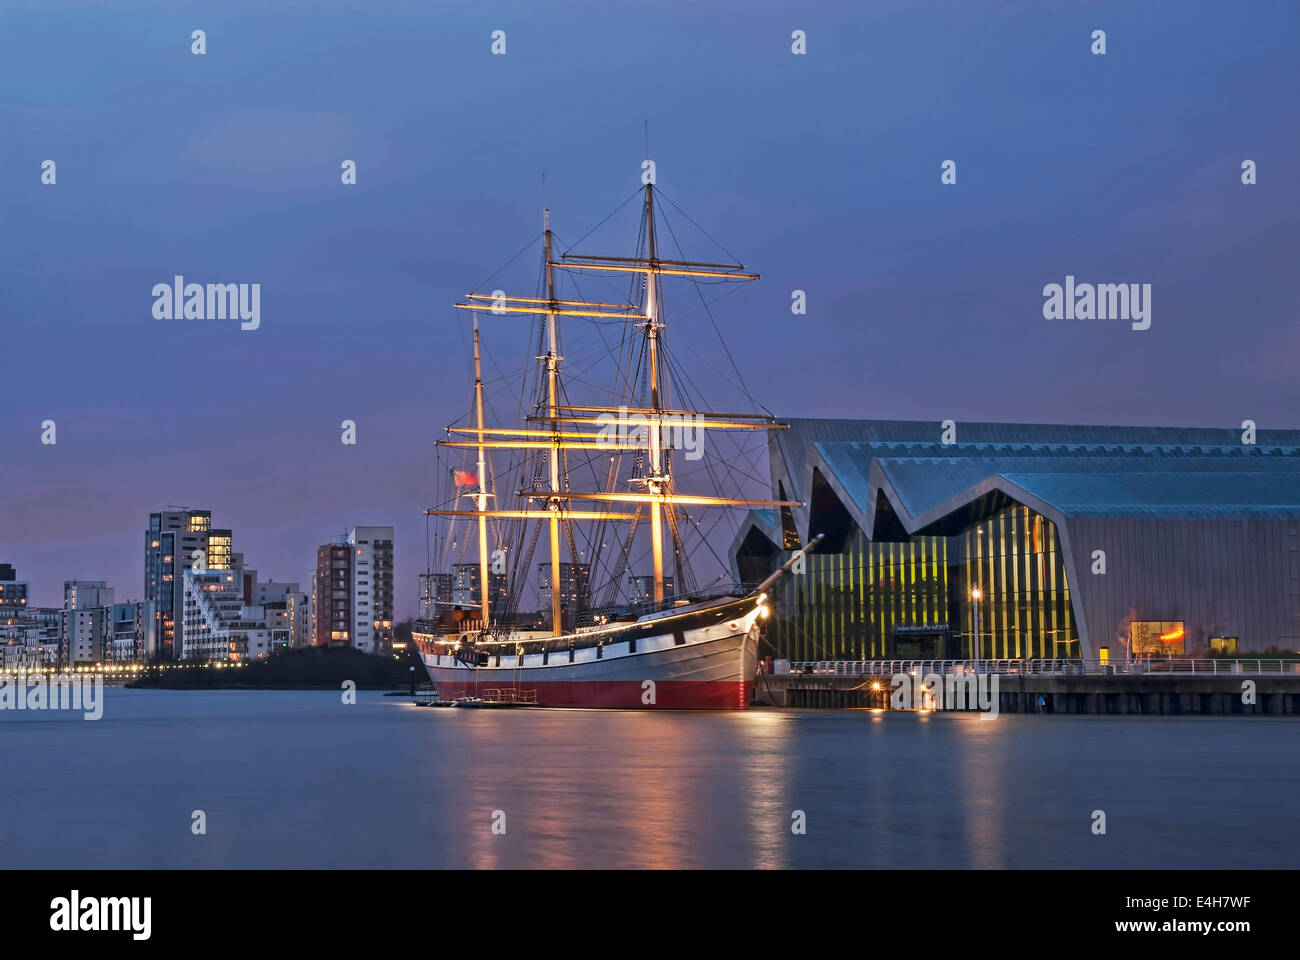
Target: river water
301 779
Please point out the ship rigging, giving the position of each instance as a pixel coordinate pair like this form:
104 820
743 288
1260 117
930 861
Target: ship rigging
556 428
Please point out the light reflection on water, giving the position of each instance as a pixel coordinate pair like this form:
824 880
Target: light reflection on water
299 780
982 773
767 785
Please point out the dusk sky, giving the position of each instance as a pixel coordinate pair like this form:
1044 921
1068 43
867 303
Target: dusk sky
821 172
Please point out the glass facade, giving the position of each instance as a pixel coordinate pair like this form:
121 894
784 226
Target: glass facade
1003 579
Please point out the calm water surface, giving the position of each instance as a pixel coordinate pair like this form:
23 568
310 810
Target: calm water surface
298 779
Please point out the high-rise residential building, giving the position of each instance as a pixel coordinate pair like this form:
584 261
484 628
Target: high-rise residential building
372 588
231 615
283 608
641 589
465 587
575 580
87 628
332 613
219 625
177 540
301 632
40 640
353 590
30 636
435 594
311 599
44 627
128 634
19 656
13 605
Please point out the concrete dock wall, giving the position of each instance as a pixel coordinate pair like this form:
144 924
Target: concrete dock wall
1143 695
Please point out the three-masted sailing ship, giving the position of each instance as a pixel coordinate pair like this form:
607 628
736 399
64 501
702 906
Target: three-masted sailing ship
675 646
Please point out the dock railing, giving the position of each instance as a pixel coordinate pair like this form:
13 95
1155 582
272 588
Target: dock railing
1078 667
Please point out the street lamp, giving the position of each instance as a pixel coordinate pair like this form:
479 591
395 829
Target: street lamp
975 627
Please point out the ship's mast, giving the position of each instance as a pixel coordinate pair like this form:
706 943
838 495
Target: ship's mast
656 483
482 495
552 376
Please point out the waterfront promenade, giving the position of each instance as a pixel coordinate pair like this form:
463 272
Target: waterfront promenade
1156 686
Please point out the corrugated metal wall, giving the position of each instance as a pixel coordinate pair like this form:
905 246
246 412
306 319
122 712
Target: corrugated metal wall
1222 576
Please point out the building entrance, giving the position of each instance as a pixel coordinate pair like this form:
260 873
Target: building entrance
921 645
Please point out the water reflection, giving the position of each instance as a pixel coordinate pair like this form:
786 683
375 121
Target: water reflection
766 736
385 785
650 799
984 785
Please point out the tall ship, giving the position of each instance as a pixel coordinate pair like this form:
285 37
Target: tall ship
594 463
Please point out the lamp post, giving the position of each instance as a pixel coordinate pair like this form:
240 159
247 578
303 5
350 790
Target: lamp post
975 627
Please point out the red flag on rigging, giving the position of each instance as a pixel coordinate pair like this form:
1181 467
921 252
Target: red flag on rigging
464 478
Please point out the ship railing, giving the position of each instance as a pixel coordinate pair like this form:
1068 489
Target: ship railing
1161 666
508 695
641 608
431 627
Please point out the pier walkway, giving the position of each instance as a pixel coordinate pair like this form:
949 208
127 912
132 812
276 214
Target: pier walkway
1145 686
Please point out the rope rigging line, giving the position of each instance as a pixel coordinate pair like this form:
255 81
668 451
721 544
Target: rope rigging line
709 313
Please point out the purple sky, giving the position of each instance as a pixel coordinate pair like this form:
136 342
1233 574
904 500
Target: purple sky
820 171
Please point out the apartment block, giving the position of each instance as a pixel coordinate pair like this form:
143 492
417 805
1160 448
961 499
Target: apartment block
177 540
353 590
87 627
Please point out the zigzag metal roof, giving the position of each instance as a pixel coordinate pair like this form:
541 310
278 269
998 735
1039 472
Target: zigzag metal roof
928 431
1079 470
1165 494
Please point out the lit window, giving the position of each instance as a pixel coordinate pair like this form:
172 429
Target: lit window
1220 646
1157 638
